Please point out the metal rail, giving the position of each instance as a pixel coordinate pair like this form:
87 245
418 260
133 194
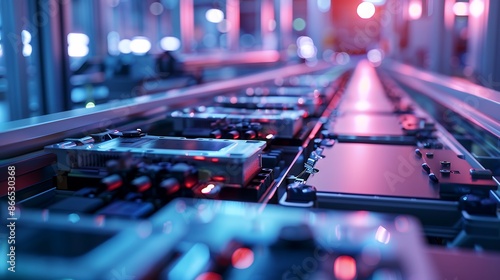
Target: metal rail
477 104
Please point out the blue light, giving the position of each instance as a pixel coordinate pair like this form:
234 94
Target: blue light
73 217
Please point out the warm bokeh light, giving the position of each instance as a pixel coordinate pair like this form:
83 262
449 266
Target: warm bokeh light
208 188
415 9
375 56
170 43
214 15
461 9
124 46
382 235
76 38
28 49
242 258
476 8
306 48
344 268
140 45
26 37
366 10
304 40
75 50
77 44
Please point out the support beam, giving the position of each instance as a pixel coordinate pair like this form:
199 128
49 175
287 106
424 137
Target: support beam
13 19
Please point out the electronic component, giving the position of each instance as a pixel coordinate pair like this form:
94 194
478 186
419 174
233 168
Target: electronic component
260 122
363 125
225 240
237 161
317 80
404 129
325 93
311 105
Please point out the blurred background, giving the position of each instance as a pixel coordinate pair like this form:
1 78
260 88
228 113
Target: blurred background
58 55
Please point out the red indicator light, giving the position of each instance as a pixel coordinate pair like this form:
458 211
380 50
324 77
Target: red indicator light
242 258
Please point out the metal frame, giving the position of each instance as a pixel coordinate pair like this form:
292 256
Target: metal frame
17 90
474 103
54 61
46 21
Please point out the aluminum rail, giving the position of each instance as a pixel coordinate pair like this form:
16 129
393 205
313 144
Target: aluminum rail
26 135
475 103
